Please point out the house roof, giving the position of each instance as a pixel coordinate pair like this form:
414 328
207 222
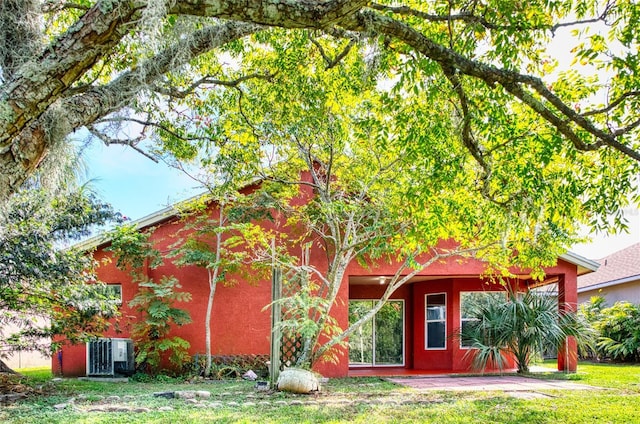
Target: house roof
618 268
144 222
584 265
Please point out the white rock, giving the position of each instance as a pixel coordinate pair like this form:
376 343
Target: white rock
297 380
186 394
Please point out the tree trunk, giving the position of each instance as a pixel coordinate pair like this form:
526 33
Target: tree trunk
213 282
4 368
213 275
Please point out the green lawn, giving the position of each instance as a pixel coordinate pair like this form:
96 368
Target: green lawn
362 400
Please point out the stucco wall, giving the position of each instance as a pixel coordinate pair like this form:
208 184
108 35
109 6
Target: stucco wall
629 292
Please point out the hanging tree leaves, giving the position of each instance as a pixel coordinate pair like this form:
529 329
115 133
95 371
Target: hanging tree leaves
45 290
92 64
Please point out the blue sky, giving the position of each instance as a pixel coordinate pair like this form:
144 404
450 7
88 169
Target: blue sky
133 183
137 186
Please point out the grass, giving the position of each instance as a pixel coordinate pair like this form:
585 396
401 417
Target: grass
357 400
36 374
625 377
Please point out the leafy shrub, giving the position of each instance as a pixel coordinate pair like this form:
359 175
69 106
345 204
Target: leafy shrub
522 326
618 328
154 301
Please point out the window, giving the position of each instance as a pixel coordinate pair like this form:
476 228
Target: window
470 304
115 291
436 321
380 341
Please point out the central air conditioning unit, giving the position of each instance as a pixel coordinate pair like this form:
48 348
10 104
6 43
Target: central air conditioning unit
110 357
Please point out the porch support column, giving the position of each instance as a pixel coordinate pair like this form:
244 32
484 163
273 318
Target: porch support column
568 303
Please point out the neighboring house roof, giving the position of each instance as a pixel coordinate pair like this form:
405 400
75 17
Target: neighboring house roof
620 267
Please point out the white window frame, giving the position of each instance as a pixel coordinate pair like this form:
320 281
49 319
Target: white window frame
473 319
427 321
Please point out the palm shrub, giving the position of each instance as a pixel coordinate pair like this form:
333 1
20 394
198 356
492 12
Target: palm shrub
522 326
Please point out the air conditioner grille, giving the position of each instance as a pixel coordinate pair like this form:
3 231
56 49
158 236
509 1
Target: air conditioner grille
110 357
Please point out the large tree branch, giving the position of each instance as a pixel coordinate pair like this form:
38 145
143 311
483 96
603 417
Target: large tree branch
39 83
29 147
515 83
473 18
281 13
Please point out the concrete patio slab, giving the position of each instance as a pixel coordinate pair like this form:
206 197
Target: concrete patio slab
487 383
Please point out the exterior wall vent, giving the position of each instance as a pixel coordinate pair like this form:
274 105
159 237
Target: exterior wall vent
110 357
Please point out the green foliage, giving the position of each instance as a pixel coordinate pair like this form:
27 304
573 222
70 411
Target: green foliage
154 302
522 326
618 328
219 235
47 290
132 249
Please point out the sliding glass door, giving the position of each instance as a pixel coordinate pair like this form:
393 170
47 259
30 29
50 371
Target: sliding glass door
380 341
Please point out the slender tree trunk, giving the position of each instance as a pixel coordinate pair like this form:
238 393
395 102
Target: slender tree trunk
213 275
213 283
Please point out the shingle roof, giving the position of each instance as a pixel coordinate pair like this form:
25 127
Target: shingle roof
620 266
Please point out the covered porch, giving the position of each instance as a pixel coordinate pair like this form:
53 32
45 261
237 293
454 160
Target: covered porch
417 332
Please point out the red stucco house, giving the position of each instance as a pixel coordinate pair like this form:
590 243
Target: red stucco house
412 334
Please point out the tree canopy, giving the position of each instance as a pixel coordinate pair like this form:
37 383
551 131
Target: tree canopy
95 64
45 290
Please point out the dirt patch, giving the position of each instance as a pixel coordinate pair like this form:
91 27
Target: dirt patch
12 388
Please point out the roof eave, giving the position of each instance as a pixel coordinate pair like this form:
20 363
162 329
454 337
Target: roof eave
605 284
144 222
585 265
